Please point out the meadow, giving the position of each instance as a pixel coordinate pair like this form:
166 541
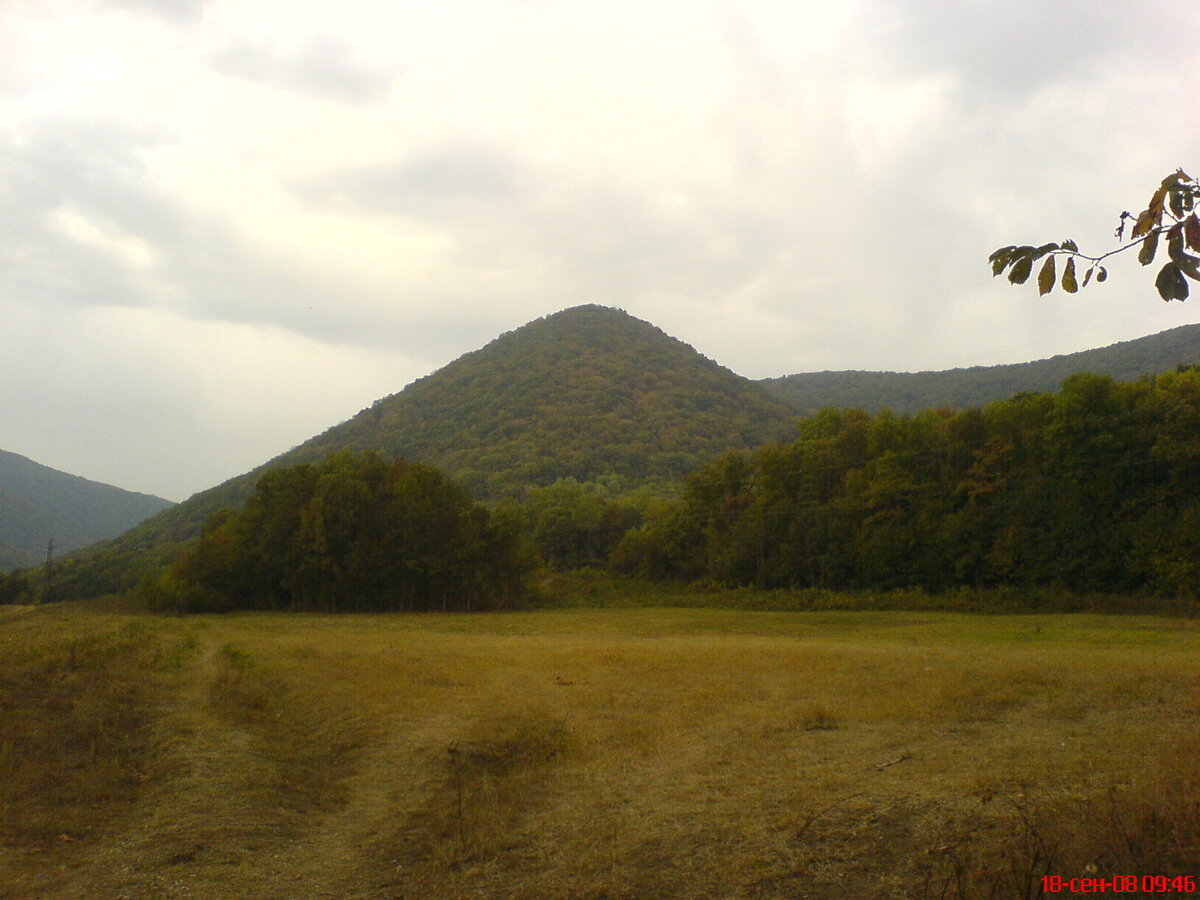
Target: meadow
593 753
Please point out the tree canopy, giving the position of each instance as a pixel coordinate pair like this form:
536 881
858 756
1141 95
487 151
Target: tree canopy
355 532
1096 488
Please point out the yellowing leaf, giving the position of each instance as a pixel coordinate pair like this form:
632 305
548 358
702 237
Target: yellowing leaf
1145 221
1070 285
1046 277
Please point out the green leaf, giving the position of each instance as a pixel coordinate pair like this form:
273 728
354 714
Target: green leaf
1171 284
1189 266
1102 275
1175 242
1000 259
1044 249
1176 203
1149 246
1046 277
1087 276
1069 244
1070 285
1020 270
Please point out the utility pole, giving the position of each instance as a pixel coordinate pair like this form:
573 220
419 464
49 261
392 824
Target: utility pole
49 570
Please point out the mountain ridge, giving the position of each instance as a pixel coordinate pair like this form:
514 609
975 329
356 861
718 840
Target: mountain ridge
39 504
959 388
589 393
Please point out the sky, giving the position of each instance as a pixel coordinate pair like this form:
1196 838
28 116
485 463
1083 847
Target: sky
226 225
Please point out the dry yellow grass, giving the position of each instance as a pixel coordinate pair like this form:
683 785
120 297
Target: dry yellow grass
573 754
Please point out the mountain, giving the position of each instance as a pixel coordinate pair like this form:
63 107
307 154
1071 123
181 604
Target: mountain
590 392
906 392
38 504
596 394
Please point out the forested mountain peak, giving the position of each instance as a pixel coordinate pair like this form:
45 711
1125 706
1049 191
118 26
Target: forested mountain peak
590 392
587 392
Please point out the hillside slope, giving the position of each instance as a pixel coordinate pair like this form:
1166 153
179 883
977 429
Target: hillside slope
907 392
38 504
590 392
587 392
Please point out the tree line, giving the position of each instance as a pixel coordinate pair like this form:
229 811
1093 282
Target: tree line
1096 487
1093 488
356 532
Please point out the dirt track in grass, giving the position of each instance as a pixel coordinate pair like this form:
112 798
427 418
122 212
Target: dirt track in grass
570 754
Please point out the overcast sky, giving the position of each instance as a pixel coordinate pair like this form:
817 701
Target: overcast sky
226 225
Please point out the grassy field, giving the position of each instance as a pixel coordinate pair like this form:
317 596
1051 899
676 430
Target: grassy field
593 753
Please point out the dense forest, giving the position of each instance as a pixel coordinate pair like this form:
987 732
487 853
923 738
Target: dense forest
586 393
579 430
910 392
355 533
1096 487
589 393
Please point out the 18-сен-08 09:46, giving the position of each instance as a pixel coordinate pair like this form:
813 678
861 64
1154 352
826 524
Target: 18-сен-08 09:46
1121 884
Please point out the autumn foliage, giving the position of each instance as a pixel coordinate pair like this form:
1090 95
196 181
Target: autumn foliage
1170 217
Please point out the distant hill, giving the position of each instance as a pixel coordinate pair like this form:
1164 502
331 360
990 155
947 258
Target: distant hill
594 393
590 392
38 504
907 392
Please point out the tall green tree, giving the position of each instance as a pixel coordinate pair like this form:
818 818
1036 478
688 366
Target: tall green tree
356 532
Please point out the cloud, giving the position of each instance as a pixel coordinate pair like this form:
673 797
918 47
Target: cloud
176 11
149 400
69 194
323 66
84 225
786 187
541 226
1007 50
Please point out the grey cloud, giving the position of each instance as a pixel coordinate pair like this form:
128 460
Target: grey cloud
89 166
444 184
179 11
199 268
592 239
323 67
1007 49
